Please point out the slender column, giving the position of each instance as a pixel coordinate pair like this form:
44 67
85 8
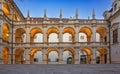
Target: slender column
76 56
76 34
93 58
44 57
28 35
60 33
60 56
94 34
27 56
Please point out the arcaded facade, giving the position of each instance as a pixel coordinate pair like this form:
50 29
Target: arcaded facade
29 40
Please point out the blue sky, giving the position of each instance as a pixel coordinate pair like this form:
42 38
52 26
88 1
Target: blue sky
85 7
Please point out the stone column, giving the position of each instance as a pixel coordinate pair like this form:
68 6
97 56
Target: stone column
44 35
60 56
93 39
28 35
93 57
108 56
76 56
76 34
27 56
60 33
44 57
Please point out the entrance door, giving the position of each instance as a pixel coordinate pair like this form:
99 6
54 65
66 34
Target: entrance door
69 60
83 59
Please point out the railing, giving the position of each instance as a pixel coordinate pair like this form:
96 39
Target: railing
63 44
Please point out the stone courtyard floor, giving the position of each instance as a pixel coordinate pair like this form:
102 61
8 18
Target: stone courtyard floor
61 69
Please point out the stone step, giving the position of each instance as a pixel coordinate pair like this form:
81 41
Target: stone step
61 69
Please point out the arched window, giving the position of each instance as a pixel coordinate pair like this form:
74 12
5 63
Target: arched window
115 7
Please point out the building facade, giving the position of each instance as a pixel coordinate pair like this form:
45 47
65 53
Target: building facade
54 40
113 17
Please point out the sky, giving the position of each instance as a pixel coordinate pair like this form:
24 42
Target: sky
85 7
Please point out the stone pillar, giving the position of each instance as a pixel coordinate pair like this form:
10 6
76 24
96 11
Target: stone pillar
76 34
60 34
60 56
93 57
76 56
28 35
108 56
44 57
44 35
93 38
27 56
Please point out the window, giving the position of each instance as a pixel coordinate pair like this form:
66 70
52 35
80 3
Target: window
115 7
115 36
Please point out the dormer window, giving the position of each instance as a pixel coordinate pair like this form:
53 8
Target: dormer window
115 7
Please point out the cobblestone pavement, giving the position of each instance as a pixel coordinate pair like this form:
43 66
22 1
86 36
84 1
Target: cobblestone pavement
61 69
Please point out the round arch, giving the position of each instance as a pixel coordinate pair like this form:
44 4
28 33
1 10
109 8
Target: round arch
32 54
103 55
5 33
102 31
33 32
87 31
88 55
49 51
18 34
71 31
72 56
5 55
19 58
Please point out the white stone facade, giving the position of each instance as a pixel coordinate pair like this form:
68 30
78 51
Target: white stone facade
17 51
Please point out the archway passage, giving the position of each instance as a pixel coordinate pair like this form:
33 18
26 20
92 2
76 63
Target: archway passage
85 56
5 55
20 35
36 56
34 32
87 31
52 56
68 56
102 31
70 34
103 55
53 34
19 58
5 34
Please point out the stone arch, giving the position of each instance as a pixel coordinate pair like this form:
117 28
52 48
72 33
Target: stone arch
50 50
71 31
19 57
87 31
35 31
32 53
88 54
6 9
52 30
5 32
18 34
103 55
73 54
103 33
5 55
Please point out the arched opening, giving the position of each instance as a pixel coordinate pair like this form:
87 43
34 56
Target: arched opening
102 55
52 56
97 37
87 31
36 56
67 37
82 37
85 56
68 34
19 58
115 7
20 35
68 56
53 37
6 9
52 34
5 34
103 33
38 37
97 57
5 55
36 33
